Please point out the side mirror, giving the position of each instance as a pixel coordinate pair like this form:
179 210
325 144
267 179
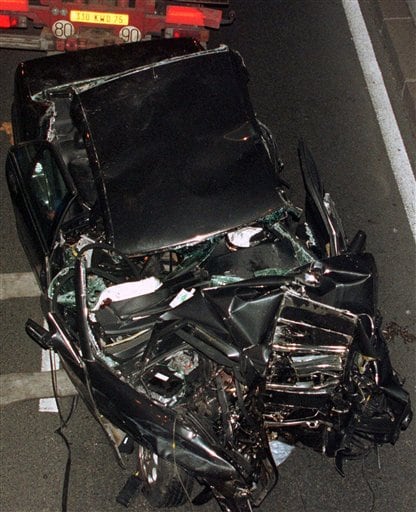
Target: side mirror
39 334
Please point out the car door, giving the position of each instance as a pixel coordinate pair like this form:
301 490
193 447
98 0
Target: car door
320 211
40 192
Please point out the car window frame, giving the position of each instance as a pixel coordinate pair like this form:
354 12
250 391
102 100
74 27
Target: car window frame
46 238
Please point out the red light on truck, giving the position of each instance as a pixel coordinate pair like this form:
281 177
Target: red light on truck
195 16
7 21
179 15
14 5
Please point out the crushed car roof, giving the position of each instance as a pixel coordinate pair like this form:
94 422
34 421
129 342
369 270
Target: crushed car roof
178 151
35 76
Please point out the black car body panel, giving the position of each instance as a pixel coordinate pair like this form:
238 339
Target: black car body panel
184 142
34 77
191 303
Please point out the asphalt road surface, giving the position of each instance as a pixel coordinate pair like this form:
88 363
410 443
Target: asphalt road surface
306 82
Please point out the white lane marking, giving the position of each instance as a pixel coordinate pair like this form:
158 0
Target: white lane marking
15 387
48 404
393 141
18 284
23 284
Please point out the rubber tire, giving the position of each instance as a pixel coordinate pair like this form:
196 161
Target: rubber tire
171 488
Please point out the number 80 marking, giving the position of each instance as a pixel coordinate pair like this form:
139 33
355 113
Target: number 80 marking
63 29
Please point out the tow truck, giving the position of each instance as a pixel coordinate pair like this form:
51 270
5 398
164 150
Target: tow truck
69 25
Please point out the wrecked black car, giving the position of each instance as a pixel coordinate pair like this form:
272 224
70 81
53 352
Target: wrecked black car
199 313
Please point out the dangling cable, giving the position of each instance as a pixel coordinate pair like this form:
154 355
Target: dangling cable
59 431
176 466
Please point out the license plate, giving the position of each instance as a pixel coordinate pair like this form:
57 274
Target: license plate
99 18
